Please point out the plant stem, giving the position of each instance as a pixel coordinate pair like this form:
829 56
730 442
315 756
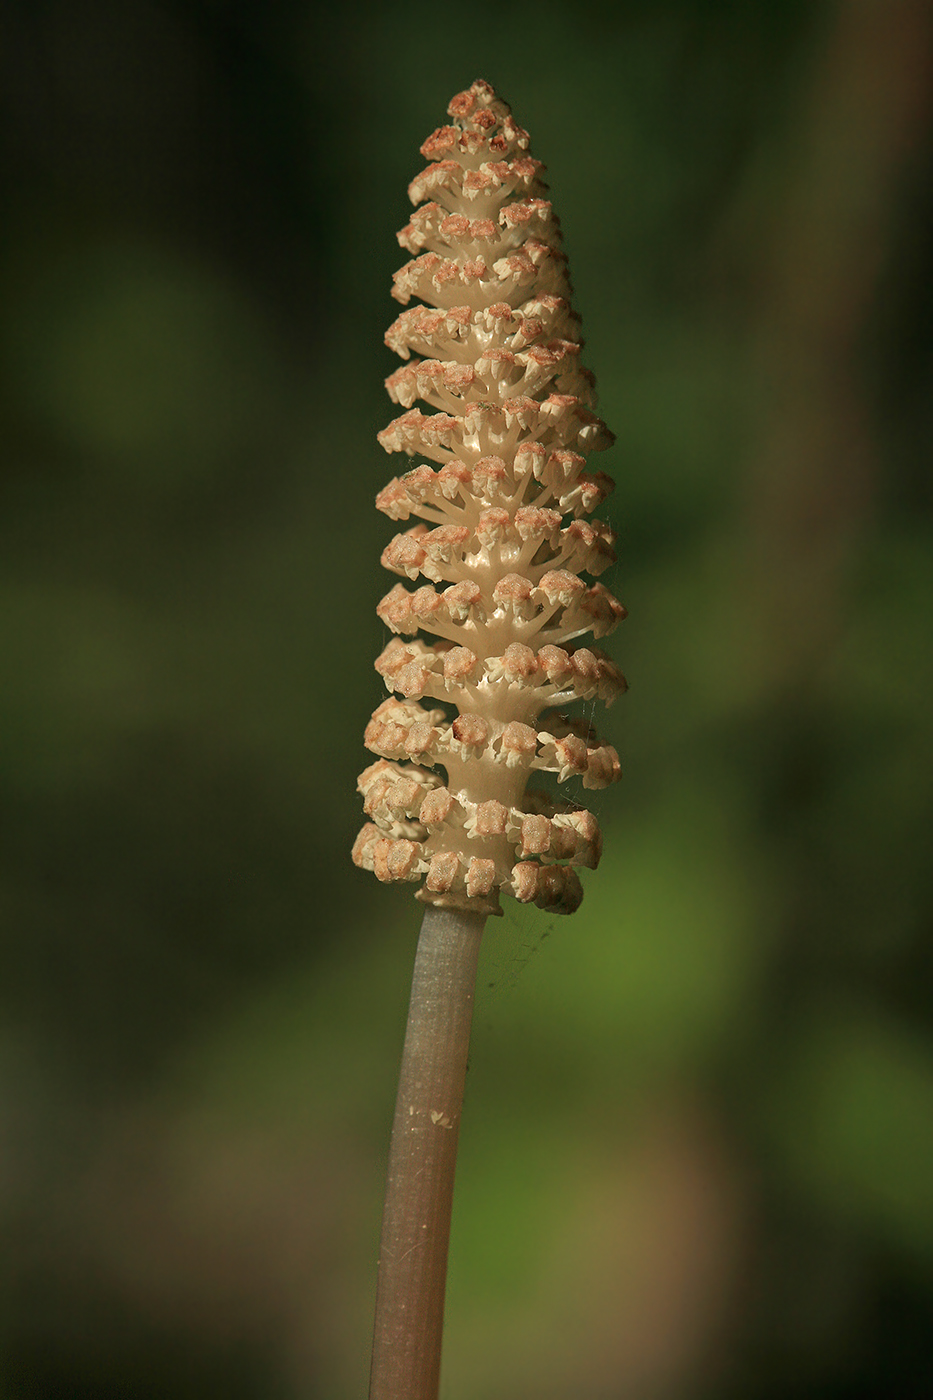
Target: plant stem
423 1158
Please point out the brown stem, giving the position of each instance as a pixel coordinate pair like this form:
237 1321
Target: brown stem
423 1158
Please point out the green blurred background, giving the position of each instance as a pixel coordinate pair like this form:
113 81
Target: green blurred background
697 1156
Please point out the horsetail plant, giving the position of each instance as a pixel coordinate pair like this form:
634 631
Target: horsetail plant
502 537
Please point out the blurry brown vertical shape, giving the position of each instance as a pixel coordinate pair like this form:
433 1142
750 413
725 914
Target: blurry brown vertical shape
812 483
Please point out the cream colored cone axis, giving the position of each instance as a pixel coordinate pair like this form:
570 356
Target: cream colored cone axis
503 535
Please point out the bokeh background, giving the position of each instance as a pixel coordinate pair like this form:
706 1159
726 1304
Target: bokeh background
697 1156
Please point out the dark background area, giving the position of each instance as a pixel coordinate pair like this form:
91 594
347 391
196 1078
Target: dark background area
697 1156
